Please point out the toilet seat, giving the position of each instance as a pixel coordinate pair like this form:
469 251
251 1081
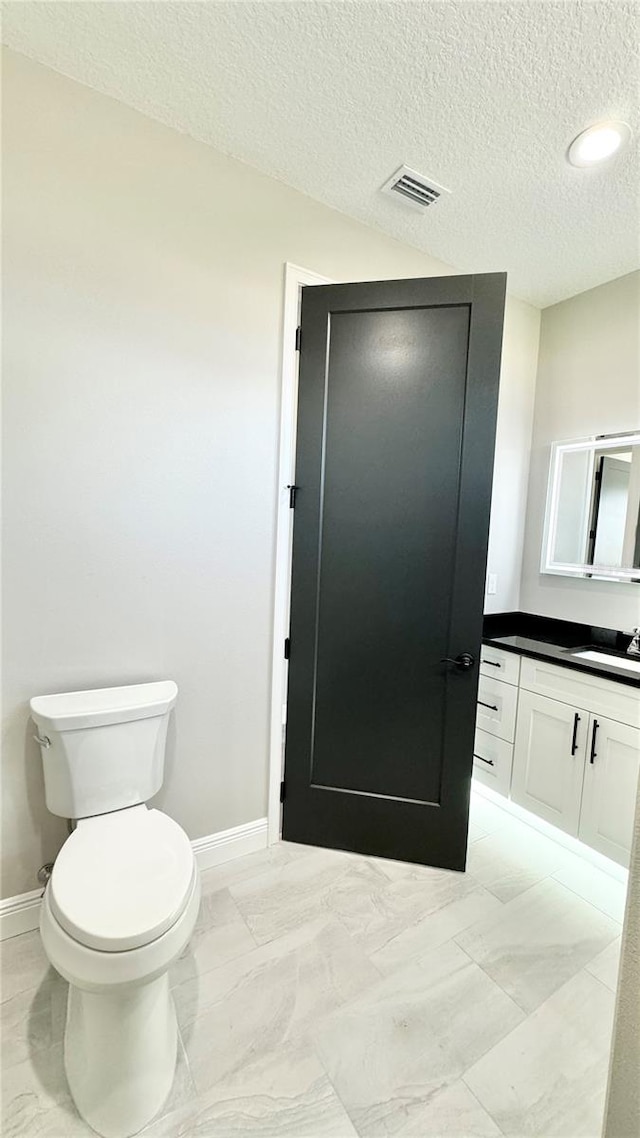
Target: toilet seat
123 879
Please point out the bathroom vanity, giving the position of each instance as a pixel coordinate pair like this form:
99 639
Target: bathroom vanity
558 726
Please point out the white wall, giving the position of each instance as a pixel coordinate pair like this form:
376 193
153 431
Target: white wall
143 308
588 383
513 446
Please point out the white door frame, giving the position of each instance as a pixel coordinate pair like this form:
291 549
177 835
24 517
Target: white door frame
294 278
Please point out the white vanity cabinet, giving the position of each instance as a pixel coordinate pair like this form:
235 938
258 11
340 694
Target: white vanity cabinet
575 756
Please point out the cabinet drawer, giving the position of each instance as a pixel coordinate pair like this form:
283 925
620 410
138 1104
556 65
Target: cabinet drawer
497 704
591 693
492 761
499 665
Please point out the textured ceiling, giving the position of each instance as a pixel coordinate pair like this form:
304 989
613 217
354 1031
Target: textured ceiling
332 97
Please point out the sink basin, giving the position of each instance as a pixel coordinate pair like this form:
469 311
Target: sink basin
605 658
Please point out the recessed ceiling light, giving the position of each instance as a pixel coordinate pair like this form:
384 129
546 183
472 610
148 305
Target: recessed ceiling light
599 142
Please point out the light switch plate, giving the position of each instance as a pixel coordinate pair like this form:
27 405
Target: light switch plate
492 584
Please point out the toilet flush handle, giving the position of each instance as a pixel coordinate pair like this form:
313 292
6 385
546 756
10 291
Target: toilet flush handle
43 740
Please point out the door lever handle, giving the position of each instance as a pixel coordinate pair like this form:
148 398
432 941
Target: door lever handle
462 662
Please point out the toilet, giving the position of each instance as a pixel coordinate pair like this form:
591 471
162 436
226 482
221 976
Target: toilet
122 900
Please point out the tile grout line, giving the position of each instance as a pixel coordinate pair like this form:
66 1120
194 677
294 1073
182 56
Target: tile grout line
471 961
528 1017
308 1038
602 984
527 889
474 1095
525 1011
587 902
261 869
219 964
552 877
531 1011
244 921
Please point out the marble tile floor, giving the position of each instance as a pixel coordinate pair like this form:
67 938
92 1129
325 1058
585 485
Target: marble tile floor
328 995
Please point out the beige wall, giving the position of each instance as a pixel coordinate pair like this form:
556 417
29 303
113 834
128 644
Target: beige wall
622 1112
588 383
142 310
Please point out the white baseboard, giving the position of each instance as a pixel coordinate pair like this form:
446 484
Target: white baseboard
21 914
241 840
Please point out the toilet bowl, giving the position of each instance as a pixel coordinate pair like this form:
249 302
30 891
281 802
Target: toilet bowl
122 900
119 909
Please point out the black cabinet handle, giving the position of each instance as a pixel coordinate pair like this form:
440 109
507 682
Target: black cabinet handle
462 662
574 740
492 663
491 706
489 762
594 753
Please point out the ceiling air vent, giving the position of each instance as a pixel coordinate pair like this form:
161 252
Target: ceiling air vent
416 190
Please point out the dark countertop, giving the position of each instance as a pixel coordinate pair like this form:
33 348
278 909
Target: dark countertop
554 640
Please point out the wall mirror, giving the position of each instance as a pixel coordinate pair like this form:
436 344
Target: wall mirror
592 524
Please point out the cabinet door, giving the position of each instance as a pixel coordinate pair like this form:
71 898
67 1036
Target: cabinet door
548 759
609 791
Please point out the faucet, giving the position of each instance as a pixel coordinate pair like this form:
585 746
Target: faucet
634 646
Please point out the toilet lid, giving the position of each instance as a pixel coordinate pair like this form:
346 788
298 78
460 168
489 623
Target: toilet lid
122 879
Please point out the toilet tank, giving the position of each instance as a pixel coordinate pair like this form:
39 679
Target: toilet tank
103 750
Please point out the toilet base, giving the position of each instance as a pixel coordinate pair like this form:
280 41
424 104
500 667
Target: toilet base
120 1053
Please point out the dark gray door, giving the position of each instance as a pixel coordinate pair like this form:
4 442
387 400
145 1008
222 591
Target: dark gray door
397 405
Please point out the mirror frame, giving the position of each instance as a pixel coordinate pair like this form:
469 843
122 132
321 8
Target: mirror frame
572 569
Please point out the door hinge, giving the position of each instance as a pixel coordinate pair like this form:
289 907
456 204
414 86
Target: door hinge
292 496
597 476
298 337
287 648
282 791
